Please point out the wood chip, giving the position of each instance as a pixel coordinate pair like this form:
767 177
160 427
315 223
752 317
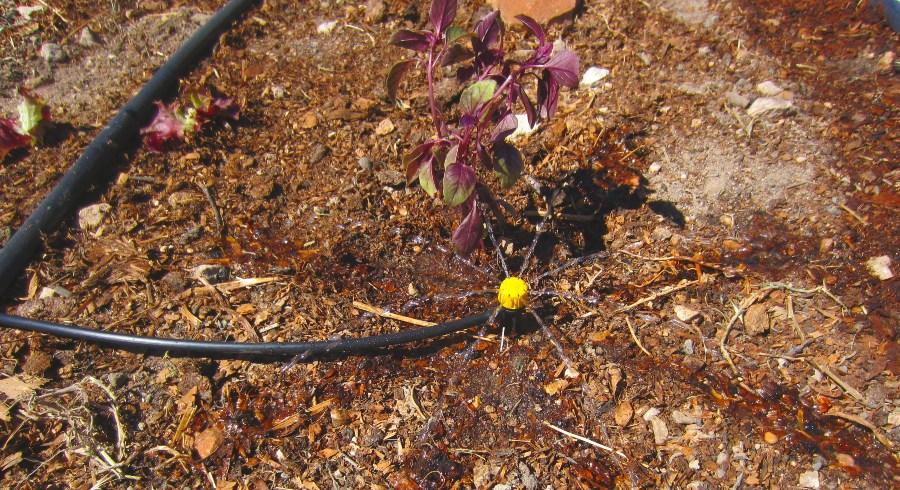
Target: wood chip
756 320
206 442
624 413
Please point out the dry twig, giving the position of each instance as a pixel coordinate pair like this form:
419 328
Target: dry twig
635 337
585 440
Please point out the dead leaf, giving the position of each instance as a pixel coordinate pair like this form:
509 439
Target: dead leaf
187 401
756 320
328 452
615 378
20 387
4 412
624 413
206 442
556 386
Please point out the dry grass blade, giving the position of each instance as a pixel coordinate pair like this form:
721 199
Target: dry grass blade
665 291
393 316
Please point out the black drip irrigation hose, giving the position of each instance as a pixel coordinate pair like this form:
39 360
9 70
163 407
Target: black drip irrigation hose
220 349
115 138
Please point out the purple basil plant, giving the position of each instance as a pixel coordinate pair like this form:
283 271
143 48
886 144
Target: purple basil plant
447 164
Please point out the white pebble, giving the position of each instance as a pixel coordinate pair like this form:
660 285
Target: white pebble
593 75
326 27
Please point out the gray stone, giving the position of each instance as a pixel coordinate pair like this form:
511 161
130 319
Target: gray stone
87 38
767 105
91 216
737 100
53 53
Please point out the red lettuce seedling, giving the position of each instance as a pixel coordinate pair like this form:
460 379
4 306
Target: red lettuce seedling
33 116
173 123
447 164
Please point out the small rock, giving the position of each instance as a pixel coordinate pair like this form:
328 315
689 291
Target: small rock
704 50
365 164
522 127
768 88
213 273
261 186
390 177
654 168
685 418
87 38
375 10
691 88
685 314
756 320
825 245
53 53
385 127
326 27
27 11
886 61
661 233
593 75
809 479
647 58
880 267
51 291
90 217
735 99
174 281
765 105
688 347
278 92
539 10
318 153
309 121
181 198
650 413
660 431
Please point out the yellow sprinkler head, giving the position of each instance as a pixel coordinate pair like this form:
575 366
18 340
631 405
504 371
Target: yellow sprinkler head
513 293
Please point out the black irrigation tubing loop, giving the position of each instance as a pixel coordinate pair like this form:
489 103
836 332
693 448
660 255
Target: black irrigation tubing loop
121 132
224 349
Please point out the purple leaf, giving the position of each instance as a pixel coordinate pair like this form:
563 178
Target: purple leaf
442 14
164 127
453 34
459 182
505 127
455 54
476 94
211 108
413 160
395 76
427 178
11 138
508 164
407 39
468 234
529 108
548 95
534 27
564 68
489 28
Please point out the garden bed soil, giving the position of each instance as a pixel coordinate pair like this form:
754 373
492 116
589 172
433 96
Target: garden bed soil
731 336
